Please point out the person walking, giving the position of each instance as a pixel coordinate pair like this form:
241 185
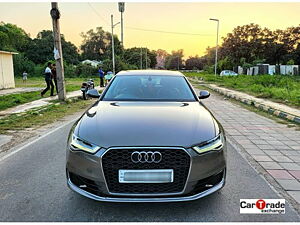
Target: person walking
48 80
54 76
24 77
101 75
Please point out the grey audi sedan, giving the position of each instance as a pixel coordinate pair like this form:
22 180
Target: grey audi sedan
148 138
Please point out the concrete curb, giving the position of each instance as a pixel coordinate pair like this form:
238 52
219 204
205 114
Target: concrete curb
250 101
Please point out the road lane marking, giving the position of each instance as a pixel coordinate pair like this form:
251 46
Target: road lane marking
36 140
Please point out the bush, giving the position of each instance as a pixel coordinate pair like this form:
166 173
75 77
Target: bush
39 70
290 62
70 70
209 69
119 65
85 70
21 64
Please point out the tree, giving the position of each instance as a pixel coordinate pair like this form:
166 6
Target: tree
174 61
225 64
297 55
151 58
210 56
21 64
133 56
245 42
13 38
119 65
253 43
40 49
97 45
195 62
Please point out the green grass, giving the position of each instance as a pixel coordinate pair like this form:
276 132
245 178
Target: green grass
43 115
72 84
278 88
8 101
254 109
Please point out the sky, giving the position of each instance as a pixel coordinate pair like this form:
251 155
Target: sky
190 18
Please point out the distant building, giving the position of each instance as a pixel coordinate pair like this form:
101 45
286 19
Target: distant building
92 62
7 79
160 62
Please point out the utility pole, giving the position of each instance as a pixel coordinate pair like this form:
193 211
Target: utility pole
121 10
141 58
55 14
146 67
178 62
113 42
216 59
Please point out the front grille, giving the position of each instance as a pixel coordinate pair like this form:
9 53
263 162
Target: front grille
116 159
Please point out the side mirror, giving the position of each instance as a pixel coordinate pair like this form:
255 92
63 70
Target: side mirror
204 94
93 93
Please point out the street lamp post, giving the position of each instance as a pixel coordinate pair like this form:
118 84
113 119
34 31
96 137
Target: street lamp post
141 58
216 59
146 67
113 42
121 10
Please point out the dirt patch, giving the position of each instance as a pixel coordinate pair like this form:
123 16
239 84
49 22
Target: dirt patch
26 135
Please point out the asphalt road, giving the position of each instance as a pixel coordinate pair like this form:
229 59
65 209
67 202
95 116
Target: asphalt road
33 188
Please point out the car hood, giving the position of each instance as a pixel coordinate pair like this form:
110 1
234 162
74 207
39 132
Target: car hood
112 124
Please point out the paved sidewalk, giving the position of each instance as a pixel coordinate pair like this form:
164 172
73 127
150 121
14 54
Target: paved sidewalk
273 145
18 90
39 103
274 108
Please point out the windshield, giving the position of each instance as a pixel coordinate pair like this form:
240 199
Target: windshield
149 88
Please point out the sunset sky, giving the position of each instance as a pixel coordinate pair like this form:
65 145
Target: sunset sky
192 18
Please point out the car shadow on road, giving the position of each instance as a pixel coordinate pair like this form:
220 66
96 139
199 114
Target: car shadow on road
198 210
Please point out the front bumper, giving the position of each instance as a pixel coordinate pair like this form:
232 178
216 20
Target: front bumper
157 199
202 168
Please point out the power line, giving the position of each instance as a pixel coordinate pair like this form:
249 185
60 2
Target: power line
150 30
95 11
167 32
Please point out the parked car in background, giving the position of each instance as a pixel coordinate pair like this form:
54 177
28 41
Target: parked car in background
228 73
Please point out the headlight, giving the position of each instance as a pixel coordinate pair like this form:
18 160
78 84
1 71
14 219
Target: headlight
78 144
213 145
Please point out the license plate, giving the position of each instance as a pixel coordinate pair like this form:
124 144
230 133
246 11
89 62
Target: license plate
146 176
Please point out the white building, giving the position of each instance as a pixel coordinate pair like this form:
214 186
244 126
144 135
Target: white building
94 63
7 79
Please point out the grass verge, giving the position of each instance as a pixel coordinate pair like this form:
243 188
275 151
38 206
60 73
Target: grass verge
278 88
42 115
11 100
253 109
72 84
7 101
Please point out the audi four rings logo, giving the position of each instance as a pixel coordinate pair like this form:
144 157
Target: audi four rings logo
146 157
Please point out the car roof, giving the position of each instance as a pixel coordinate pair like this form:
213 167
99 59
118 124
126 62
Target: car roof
150 72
